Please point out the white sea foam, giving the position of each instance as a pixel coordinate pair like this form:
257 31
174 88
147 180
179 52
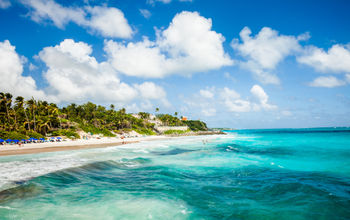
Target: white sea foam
25 167
6 207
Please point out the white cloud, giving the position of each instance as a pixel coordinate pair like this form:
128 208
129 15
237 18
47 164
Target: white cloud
5 4
109 22
262 98
187 46
227 100
238 105
234 103
231 99
74 75
149 90
50 10
145 13
206 93
32 67
335 60
11 78
327 81
265 51
106 21
227 93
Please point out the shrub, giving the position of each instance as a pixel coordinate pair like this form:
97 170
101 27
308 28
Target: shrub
34 134
196 125
65 132
94 130
145 131
12 135
176 131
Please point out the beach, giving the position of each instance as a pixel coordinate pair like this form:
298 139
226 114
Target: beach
65 145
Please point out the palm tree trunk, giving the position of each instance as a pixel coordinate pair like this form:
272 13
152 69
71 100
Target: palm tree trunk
25 113
34 120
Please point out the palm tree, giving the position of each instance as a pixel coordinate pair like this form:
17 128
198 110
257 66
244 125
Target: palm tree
6 102
32 105
157 109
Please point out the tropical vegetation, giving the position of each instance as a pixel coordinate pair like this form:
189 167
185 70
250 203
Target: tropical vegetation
20 119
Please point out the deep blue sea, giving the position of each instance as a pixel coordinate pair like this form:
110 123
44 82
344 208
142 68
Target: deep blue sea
246 174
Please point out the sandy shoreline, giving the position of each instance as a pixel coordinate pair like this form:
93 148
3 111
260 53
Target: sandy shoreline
7 150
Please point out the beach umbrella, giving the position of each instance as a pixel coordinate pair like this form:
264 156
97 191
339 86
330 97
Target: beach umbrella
23 140
16 141
42 139
35 139
52 137
8 140
59 138
2 140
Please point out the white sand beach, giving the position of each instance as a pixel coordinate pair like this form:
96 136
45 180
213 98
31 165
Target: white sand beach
68 144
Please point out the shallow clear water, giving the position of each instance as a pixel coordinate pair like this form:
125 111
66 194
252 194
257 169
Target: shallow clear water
249 174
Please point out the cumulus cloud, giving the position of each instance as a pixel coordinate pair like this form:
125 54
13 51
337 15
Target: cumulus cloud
227 93
235 103
206 93
327 81
227 100
74 75
231 99
149 90
106 21
11 78
238 105
264 51
145 13
5 4
187 46
335 60
262 98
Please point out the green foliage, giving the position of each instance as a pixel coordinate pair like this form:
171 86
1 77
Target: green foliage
196 125
168 132
65 132
34 134
169 120
144 115
36 118
144 131
94 130
12 135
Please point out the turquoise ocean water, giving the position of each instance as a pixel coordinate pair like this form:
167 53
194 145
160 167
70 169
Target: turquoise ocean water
247 174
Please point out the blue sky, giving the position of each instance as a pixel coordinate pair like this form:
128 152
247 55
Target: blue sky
239 64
